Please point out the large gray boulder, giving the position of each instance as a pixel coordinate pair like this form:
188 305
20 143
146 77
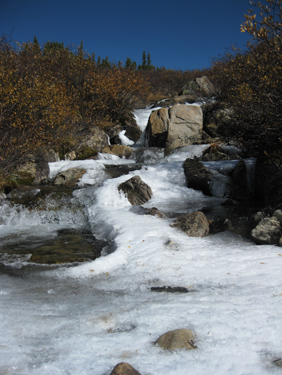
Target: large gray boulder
136 190
177 126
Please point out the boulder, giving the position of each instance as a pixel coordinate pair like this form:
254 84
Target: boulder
194 224
267 232
69 177
34 171
200 86
124 368
176 339
177 126
197 176
119 150
136 190
95 138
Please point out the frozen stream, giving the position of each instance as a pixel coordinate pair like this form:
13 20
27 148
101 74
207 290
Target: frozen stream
84 319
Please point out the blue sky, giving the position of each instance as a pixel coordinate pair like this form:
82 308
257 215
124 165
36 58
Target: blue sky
178 34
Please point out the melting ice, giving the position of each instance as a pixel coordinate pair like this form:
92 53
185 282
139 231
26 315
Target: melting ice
86 319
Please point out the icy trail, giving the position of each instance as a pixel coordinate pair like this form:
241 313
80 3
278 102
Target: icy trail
86 319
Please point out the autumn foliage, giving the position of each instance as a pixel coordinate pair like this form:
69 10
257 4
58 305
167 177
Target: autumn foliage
46 95
251 81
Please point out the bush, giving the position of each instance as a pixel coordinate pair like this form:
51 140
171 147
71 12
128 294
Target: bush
251 82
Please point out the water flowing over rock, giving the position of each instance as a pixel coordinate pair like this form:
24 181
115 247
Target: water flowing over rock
124 368
197 176
177 339
194 224
177 126
136 190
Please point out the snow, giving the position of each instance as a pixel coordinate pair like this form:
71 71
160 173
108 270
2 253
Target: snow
87 318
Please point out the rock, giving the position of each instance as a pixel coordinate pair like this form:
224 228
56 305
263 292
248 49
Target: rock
154 212
177 126
34 171
170 289
69 177
214 156
51 156
95 138
197 176
70 155
219 225
194 224
177 339
267 232
124 368
201 86
136 190
119 150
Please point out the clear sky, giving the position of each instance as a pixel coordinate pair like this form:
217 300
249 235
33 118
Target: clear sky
178 34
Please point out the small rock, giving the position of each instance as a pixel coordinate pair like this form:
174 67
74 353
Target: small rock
136 190
124 368
177 339
170 289
69 177
194 224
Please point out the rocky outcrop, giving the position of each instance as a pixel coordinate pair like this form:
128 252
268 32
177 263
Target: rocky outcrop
177 339
124 368
69 177
194 224
136 190
119 150
197 176
199 86
177 126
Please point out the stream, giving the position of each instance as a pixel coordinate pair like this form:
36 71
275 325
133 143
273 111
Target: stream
79 269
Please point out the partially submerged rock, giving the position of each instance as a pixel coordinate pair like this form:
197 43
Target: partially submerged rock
136 190
177 339
119 150
69 178
197 176
124 368
194 224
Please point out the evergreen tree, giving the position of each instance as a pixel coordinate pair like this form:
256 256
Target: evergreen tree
144 61
148 61
35 45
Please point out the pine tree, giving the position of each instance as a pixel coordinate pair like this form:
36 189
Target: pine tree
144 61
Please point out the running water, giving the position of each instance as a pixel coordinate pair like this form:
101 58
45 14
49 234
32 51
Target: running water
86 318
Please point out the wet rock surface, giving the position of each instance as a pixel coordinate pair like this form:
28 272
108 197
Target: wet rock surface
69 246
136 190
